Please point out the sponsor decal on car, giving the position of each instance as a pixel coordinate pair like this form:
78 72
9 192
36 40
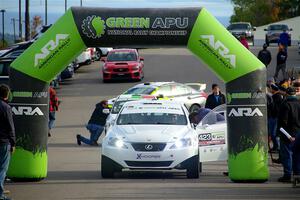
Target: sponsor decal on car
245 112
96 26
207 139
141 156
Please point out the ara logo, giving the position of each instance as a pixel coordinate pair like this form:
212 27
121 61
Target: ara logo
221 49
93 27
49 47
247 112
25 110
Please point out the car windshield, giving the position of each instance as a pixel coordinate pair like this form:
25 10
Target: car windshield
151 118
121 56
237 26
278 27
140 90
118 105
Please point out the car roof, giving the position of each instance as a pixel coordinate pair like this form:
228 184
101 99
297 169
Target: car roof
240 23
153 102
120 50
152 84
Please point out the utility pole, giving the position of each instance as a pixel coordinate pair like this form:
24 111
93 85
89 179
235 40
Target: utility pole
3 11
14 24
81 3
66 5
46 12
20 19
27 21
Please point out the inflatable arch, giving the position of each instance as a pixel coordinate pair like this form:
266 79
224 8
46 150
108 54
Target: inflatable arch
194 28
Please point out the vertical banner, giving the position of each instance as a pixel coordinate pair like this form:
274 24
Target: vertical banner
245 75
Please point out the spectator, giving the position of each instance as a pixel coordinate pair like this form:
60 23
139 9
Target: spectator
273 114
281 62
289 119
284 39
264 55
244 41
95 124
53 107
7 136
216 98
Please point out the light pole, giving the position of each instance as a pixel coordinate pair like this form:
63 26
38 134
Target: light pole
66 3
81 3
20 20
14 26
3 11
27 21
46 12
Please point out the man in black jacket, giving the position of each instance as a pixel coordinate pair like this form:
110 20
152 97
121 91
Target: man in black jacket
264 55
7 136
95 124
216 98
289 119
281 62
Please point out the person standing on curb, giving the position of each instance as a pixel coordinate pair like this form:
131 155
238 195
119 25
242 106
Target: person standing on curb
264 55
53 107
216 98
95 124
7 136
289 120
281 62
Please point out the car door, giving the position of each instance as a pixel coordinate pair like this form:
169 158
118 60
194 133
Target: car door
212 134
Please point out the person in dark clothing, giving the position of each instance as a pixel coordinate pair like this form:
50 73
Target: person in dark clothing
289 119
273 114
284 39
281 62
264 55
216 98
7 136
95 124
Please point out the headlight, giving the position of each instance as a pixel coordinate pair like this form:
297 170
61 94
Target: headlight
185 142
136 67
116 142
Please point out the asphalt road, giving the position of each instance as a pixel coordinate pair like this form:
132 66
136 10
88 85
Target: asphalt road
74 171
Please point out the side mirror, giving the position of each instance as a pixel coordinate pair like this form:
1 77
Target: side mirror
265 29
141 59
254 28
103 59
106 111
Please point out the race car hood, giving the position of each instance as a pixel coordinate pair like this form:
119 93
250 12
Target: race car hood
150 133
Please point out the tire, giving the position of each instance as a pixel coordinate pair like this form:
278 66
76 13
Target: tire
252 39
193 168
200 167
194 107
107 168
267 42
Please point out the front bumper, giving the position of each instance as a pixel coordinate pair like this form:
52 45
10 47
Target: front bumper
166 159
121 76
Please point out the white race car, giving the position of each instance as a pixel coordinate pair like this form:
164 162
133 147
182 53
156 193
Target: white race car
151 134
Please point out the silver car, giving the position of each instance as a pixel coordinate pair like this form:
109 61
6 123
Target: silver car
238 29
274 31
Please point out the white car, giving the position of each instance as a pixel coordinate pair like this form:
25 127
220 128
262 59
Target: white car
152 135
85 57
212 131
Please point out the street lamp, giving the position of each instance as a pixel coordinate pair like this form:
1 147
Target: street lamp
3 11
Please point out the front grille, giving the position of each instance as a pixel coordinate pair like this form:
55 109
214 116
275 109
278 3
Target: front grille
125 76
148 146
148 163
121 70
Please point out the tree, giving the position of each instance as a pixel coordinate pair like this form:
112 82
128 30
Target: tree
36 24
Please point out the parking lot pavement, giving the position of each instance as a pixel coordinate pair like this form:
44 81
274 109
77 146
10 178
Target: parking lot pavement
74 171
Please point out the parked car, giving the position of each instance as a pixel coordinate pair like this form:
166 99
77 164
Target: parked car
68 72
123 64
103 51
274 31
151 135
191 94
238 29
84 58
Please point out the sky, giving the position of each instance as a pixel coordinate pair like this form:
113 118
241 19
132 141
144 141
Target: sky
222 9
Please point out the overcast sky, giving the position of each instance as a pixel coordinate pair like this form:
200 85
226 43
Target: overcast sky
219 8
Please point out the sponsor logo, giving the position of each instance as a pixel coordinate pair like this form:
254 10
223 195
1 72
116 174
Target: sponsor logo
218 49
26 94
25 110
244 95
95 26
141 156
51 49
245 112
148 147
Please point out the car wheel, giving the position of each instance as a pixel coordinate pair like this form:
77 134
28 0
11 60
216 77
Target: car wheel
107 168
290 43
99 54
200 167
193 166
267 42
194 108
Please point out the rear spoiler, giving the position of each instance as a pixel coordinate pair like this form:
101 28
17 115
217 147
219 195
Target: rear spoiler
197 86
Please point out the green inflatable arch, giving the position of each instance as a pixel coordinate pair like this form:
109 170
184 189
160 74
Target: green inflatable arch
194 28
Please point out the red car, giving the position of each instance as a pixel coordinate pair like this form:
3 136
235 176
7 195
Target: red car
123 64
